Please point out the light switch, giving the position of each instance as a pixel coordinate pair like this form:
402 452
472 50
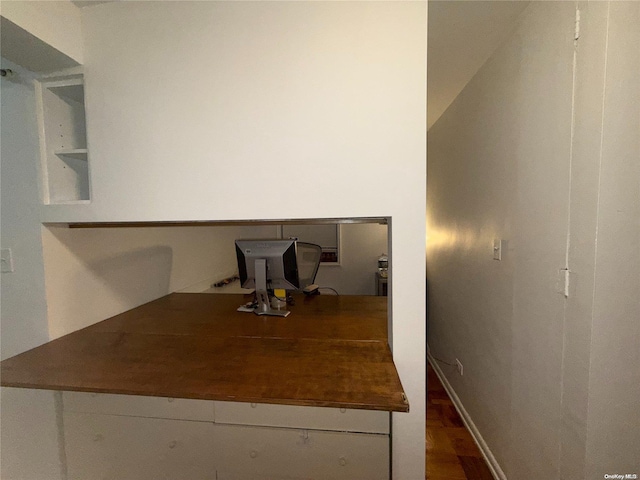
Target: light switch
7 260
497 249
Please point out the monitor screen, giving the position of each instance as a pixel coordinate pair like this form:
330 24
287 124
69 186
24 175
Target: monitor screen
280 257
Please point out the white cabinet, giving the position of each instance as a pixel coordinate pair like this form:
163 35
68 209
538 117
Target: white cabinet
138 406
244 453
317 418
308 443
117 447
135 437
63 139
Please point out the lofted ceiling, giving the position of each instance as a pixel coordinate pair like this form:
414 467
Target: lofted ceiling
462 36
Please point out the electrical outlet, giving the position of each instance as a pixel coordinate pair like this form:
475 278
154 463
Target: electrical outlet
459 367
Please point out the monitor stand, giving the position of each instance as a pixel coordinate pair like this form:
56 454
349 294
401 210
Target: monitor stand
262 296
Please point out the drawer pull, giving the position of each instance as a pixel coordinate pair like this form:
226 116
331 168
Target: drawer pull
343 461
343 410
170 400
254 405
173 444
253 454
98 438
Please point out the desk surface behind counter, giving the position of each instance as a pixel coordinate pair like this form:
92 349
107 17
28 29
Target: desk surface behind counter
331 351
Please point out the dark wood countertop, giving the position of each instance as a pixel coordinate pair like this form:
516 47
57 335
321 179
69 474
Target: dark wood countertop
331 351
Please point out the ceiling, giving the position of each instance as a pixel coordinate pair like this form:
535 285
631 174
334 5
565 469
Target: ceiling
462 36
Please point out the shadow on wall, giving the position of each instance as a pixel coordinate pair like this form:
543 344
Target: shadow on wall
93 275
135 276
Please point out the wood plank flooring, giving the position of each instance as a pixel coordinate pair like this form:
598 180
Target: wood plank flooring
451 452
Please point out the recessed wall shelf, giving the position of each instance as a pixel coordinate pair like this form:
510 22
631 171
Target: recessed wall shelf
63 139
73 92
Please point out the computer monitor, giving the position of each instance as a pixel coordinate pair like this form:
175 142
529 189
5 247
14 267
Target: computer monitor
266 265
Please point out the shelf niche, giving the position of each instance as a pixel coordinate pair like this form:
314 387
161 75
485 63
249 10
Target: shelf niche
63 140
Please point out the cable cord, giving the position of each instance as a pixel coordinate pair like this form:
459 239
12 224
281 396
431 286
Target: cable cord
329 288
226 281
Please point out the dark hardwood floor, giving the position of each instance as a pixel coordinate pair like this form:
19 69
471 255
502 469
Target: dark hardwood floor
451 452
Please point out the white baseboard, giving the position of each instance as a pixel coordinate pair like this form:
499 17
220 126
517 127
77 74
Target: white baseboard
492 463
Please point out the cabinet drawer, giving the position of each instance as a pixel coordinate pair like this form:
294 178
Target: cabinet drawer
138 406
261 453
120 447
317 418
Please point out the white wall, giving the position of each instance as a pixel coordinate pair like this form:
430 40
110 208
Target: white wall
518 156
28 418
613 436
248 95
23 316
360 247
93 274
498 169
